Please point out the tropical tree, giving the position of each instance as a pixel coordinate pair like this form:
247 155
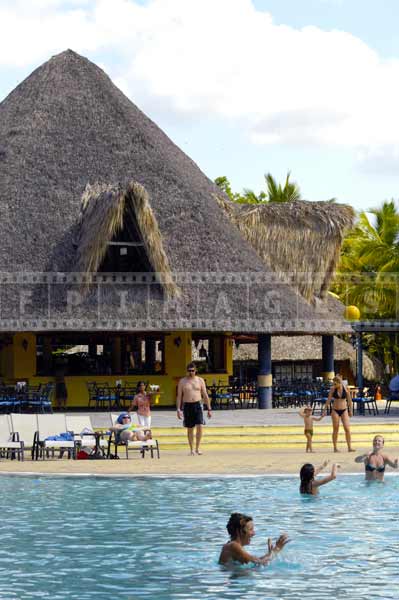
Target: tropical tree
368 274
369 265
275 192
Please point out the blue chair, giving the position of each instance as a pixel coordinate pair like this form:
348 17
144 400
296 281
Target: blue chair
393 397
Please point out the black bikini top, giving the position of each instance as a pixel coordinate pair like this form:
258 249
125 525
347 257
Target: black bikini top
372 468
336 393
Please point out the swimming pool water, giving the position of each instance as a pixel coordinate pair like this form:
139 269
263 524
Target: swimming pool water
86 538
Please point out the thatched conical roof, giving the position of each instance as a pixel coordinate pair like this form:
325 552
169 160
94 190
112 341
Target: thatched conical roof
66 127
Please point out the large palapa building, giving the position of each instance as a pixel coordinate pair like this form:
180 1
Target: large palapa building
117 253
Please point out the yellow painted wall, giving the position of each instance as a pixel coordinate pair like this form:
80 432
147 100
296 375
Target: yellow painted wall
18 363
7 362
19 358
229 354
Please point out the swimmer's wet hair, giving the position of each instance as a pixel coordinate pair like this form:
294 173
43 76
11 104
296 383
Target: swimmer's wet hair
307 475
237 524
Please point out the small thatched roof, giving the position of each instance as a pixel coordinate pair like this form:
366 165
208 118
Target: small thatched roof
302 239
67 127
300 348
102 217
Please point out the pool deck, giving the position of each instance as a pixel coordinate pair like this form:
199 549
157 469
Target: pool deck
214 461
251 417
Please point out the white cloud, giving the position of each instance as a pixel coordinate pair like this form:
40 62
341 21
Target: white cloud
224 59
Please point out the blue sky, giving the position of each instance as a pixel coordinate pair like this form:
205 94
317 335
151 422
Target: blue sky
243 86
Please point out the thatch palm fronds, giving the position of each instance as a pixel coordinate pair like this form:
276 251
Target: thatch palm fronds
302 239
102 216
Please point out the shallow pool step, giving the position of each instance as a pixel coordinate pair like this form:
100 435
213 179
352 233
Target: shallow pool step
276 436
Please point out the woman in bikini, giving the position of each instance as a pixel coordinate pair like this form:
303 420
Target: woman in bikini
376 460
341 409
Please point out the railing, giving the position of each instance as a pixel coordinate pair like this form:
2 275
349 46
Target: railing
231 396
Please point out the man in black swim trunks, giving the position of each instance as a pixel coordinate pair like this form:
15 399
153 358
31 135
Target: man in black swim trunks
190 392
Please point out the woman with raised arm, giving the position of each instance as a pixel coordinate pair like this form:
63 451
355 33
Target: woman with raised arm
376 460
340 400
309 485
241 530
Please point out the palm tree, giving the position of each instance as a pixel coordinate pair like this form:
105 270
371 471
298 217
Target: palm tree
276 193
370 262
368 274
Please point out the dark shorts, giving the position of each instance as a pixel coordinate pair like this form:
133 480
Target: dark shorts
193 414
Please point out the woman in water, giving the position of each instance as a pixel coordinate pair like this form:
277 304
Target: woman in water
376 460
241 530
310 485
342 409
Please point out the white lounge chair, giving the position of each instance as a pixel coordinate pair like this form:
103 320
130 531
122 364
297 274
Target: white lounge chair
141 446
81 423
10 444
24 428
49 426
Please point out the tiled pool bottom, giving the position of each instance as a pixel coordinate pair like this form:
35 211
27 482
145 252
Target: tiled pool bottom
86 538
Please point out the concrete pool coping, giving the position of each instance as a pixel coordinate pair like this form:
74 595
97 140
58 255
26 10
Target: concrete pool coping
222 462
31 474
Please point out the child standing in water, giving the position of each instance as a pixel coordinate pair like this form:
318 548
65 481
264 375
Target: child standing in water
241 530
308 418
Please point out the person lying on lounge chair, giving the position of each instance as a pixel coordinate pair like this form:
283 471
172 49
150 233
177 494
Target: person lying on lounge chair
128 431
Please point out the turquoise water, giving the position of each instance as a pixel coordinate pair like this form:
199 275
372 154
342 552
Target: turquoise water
86 538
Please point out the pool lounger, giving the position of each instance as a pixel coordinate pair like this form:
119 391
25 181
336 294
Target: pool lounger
10 444
142 447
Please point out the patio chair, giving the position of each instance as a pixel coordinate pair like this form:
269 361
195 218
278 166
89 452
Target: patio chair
105 397
38 400
141 446
92 393
392 397
361 403
50 429
10 446
82 423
